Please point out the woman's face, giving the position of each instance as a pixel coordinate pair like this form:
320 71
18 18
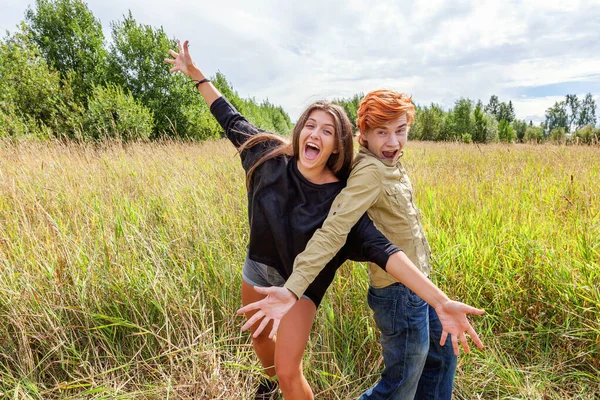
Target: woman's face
317 142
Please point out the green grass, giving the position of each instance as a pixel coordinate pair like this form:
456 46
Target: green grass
120 272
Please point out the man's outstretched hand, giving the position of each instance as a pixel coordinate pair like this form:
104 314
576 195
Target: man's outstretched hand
453 316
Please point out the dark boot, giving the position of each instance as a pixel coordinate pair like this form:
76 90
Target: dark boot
267 390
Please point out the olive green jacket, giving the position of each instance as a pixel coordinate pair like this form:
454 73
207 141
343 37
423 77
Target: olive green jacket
385 192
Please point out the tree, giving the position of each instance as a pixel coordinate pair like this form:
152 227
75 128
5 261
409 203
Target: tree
350 106
587 113
505 132
31 91
429 123
480 125
493 107
136 62
505 112
462 123
70 40
556 117
520 126
573 106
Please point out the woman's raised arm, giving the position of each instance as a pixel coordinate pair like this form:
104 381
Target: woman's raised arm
182 61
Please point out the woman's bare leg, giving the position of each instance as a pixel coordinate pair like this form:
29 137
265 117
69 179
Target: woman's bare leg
263 346
292 337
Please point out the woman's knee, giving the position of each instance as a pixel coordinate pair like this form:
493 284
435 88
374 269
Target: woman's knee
289 374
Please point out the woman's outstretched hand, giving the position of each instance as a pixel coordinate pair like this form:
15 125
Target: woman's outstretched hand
453 316
181 61
278 302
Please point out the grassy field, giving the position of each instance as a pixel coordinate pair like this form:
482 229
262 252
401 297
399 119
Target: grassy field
120 273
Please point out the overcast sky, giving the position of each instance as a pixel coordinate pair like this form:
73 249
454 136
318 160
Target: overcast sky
531 52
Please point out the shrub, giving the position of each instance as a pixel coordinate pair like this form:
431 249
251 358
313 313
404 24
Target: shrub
587 134
113 113
534 134
558 135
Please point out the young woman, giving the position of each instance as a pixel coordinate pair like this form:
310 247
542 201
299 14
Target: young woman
291 187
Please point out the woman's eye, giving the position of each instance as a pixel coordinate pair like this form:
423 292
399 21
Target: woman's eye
381 133
327 132
309 126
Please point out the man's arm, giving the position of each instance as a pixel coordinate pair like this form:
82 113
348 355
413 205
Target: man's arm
452 314
361 192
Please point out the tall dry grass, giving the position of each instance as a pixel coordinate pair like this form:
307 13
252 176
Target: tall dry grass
120 272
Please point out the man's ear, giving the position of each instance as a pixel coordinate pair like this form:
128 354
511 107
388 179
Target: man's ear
362 140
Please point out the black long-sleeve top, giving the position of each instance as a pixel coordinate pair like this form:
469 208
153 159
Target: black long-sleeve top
285 209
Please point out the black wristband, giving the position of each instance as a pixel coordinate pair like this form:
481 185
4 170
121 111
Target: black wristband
198 83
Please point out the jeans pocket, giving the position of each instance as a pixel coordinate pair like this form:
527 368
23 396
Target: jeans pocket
413 300
384 311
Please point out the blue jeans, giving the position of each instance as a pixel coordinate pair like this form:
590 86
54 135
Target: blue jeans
415 365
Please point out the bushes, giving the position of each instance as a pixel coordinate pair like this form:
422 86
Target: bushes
113 113
587 135
534 134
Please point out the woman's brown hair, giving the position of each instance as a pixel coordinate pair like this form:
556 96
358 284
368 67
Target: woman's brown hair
339 163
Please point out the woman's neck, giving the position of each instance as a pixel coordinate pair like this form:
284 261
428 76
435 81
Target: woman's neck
317 176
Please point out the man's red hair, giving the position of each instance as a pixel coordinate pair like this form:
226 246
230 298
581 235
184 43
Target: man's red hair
379 107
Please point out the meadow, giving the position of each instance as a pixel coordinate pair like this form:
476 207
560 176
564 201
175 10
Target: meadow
120 272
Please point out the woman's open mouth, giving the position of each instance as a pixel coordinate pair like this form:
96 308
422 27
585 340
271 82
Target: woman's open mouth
311 151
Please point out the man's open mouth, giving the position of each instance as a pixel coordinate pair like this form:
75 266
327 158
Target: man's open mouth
389 154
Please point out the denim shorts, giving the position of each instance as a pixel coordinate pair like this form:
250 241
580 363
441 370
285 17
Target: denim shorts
261 275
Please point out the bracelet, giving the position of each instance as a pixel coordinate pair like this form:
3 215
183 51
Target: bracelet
198 83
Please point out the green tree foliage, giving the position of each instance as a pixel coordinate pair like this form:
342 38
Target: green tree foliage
588 135
493 106
265 115
480 125
31 91
429 123
573 106
136 62
506 112
556 117
350 106
112 113
492 128
519 126
587 113
461 121
70 40
534 134
558 135
506 133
